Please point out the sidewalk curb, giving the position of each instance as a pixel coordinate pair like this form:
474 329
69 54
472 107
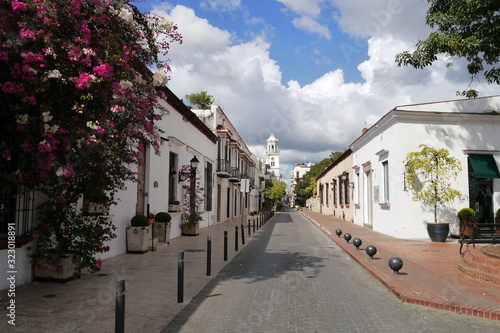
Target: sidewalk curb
394 289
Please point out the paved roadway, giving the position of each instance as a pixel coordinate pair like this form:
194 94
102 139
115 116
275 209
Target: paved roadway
292 278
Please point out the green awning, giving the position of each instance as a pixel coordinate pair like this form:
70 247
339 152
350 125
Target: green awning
484 166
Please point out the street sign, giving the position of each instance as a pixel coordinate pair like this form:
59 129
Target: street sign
245 185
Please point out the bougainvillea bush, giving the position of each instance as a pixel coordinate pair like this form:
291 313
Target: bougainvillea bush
194 196
78 83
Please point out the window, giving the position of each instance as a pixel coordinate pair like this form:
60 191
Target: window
326 194
385 188
334 189
208 187
346 188
16 210
341 191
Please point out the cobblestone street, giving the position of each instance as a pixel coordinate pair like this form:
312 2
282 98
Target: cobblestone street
293 278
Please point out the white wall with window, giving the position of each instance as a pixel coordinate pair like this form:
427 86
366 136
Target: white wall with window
464 127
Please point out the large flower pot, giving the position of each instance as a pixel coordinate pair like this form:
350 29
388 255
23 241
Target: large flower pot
174 208
438 232
92 208
162 231
191 230
465 225
57 267
138 239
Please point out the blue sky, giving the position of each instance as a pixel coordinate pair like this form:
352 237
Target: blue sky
312 72
303 53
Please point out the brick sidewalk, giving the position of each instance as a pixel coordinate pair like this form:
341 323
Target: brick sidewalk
430 275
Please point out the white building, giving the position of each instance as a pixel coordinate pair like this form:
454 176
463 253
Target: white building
299 170
469 129
273 156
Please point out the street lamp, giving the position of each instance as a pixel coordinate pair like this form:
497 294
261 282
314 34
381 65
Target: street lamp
190 174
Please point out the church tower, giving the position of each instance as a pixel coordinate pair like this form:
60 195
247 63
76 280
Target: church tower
273 155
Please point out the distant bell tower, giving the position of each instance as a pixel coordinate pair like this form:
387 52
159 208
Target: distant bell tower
273 155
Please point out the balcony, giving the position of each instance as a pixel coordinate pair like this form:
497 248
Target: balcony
235 175
223 168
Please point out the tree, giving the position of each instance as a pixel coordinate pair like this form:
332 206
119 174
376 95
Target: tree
78 104
307 184
276 191
202 98
465 29
429 173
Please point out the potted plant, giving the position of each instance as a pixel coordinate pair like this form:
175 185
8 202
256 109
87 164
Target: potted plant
138 234
67 241
191 223
466 216
174 206
162 226
429 174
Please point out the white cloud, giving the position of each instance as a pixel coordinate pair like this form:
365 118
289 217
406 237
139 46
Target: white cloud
313 120
304 7
308 24
221 5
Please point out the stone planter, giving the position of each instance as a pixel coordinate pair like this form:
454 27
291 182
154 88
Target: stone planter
174 208
138 239
68 267
92 208
191 230
162 231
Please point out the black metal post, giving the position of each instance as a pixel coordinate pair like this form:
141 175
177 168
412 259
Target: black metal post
180 278
120 306
248 228
209 256
236 238
254 225
225 245
242 235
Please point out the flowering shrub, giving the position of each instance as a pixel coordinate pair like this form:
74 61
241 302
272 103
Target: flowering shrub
194 196
66 231
78 101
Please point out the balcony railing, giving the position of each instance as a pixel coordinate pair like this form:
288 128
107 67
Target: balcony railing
223 168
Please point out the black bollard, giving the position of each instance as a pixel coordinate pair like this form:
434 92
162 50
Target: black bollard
120 307
347 237
371 251
209 256
357 243
254 225
225 245
236 238
180 277
242 235
248 228
395 264
338 232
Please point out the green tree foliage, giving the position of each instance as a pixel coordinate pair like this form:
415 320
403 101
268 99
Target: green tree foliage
306 186
276 191
464 29
430 173
202 98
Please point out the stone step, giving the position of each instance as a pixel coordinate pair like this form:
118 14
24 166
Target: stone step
478 266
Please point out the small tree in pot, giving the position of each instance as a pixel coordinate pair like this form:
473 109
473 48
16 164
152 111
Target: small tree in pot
429 173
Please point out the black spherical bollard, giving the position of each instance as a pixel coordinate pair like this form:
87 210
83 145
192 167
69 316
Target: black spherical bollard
338 232
347 237
357 242
395 264
371 251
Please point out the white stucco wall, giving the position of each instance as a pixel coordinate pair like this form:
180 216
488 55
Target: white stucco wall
392 140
